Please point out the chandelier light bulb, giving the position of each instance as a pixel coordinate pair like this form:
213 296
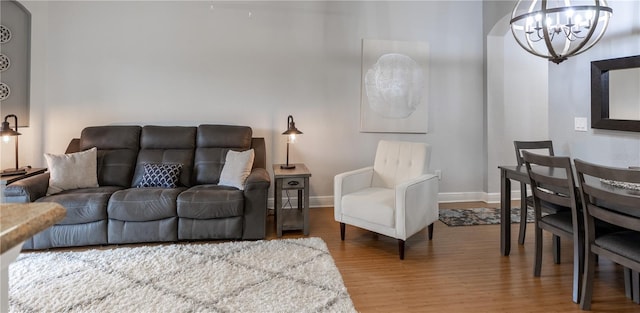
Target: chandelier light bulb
589 14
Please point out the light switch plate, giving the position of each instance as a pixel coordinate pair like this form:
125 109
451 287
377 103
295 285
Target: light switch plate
580 124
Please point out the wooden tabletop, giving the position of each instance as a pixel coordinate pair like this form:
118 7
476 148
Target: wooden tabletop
300 170
30 172
20 221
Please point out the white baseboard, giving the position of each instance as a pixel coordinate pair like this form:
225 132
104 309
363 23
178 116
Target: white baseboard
443 197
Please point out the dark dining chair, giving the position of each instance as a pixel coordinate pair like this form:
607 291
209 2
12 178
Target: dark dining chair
553 186
526 201
616 205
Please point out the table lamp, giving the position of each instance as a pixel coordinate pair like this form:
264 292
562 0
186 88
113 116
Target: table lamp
291 131
7 132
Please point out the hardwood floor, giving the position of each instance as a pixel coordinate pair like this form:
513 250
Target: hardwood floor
460 270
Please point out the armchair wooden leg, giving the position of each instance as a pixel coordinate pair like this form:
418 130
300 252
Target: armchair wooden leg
342 227
401 248
430 231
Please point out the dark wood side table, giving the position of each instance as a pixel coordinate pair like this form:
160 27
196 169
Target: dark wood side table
6 180
291 179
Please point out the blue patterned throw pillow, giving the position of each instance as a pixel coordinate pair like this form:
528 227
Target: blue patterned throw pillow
163 175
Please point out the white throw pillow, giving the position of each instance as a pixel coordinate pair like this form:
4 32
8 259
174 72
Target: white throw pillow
72 171
236 169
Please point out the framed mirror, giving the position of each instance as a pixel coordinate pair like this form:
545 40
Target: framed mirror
615 94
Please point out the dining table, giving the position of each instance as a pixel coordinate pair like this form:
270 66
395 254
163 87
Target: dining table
519 173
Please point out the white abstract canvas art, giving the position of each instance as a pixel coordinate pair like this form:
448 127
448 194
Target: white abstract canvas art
394 86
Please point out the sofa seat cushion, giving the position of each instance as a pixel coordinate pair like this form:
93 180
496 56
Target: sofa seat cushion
84 205
210 201
143 204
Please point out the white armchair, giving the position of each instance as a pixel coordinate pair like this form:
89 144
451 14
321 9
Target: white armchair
395 197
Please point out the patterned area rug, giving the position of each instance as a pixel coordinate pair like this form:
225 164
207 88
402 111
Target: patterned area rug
291 275
479 216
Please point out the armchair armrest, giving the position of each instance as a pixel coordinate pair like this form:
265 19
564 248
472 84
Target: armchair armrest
28 189
351 181
416 204
348 182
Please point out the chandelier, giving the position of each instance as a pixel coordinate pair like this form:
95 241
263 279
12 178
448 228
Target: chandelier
558 29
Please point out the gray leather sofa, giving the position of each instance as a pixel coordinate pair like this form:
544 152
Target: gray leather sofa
116 212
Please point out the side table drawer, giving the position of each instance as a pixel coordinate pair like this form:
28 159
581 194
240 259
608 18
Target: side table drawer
293 183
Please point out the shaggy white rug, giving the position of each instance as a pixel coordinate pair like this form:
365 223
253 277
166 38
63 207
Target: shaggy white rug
290 275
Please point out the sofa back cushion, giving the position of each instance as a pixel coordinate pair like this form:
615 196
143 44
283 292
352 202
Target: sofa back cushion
167 144
117 152
212 144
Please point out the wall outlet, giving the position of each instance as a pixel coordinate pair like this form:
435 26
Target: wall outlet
580 124
439 174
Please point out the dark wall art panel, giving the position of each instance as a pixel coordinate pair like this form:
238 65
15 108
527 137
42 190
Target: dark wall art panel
15 60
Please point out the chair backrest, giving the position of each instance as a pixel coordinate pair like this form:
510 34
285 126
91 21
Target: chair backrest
532 145
618 206
552 183
397 161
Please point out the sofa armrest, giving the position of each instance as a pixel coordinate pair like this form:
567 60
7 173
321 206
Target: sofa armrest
27 190
257 179
260 149
256 190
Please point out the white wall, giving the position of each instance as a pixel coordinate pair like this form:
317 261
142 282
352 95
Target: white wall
517 107
570 96
181 63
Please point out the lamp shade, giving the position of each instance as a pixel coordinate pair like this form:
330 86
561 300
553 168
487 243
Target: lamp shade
291 127
7 131
559 29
